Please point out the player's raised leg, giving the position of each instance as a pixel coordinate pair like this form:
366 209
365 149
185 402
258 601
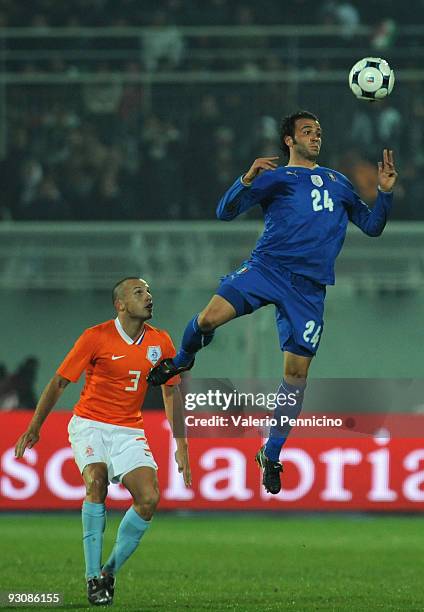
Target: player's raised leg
93 524
290 393
198 333
143 485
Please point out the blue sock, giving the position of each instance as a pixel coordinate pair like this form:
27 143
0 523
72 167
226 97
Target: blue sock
130 532
93 526
193 340
278 434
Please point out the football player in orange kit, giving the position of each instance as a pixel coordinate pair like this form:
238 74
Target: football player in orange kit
106 430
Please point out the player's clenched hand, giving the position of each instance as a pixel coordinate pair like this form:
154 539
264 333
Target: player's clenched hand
27 440
183 462
258 166
387 174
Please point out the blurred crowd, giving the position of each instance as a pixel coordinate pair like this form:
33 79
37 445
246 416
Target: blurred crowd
17 388
94 13
121 150
131 164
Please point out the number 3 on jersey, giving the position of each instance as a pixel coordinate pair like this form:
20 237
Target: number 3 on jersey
316 196
134 380
312 328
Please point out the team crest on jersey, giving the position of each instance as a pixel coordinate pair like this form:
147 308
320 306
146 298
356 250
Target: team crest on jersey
317 180
153 354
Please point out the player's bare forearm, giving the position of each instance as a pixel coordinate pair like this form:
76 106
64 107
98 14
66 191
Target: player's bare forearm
173 402
48 399
174 410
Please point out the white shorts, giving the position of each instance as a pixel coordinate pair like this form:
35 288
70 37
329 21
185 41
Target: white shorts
122 448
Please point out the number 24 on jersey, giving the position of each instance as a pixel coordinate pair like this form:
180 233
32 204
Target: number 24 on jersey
321 200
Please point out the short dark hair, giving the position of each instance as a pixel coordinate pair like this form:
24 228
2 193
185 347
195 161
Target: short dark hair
288 125
116 289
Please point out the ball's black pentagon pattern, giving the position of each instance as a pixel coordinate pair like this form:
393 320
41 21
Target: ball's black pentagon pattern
385 76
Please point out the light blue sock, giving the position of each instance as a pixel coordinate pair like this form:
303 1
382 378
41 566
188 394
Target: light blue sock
193 340
93 526
130 532
278 434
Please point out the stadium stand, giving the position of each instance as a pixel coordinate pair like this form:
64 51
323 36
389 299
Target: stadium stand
128 113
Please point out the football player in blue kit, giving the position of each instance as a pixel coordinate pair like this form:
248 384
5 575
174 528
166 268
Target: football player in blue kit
306 210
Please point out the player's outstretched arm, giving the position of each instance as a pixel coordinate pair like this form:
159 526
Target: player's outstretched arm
373 221
173 403
237 199
48 399
387 174
258 166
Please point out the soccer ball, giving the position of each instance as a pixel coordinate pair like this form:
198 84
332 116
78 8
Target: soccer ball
371 79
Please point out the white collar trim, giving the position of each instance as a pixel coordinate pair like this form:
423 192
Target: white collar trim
140 340
123 333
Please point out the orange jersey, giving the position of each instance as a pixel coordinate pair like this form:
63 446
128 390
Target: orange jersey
116 368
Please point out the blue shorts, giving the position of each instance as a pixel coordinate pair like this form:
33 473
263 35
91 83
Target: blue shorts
299 302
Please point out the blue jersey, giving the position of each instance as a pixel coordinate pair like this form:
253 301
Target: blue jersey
306 212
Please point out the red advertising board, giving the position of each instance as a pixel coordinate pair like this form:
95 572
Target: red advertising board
352 471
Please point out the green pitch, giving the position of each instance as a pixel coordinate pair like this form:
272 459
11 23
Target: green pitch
239 562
